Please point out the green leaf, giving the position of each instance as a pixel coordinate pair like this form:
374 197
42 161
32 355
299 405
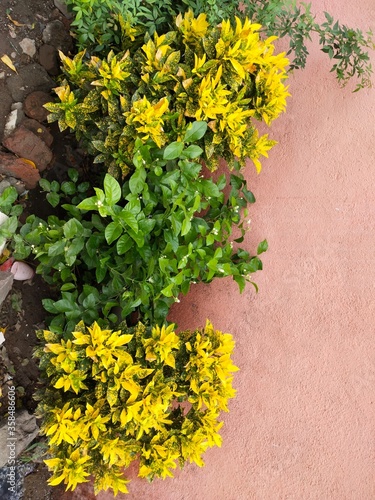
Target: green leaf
173 150
262 247
45 185
73 250
248 195
68 187
73 174
71 228
193 151
240 280
186 226
53 199
67 286
129 219
195 131
124 244
137 180
112 190
57 248
89 204
168 290
112 232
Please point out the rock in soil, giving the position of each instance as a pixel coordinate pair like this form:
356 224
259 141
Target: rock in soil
39 130
48 58
26 144
33 105
16 167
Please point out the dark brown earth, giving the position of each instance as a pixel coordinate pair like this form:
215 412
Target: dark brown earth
22 312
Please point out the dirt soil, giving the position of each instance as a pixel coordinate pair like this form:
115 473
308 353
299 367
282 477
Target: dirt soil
22 312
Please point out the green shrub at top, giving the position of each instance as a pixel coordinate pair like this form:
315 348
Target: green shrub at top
224 75
113 397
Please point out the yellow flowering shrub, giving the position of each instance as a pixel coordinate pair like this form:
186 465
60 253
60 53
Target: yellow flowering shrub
226 75
112 397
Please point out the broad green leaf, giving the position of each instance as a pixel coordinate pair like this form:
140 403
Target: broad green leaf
68 187
89 204
45 185
57 248
129 219
71 228
67 286
137 180
168 290
112 190
124 244
193 151
53 199
195 131
173 150
248 195
112 232
186 226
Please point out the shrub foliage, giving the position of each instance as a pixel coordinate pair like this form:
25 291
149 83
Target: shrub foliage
224 75
136 393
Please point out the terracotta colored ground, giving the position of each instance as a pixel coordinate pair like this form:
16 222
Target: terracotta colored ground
303 424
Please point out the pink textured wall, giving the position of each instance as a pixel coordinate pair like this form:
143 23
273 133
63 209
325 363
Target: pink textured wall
303 423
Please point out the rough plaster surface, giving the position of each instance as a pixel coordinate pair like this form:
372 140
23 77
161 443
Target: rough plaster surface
303 424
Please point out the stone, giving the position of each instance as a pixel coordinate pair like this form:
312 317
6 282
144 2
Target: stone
28 46
26 429
29 78
56 34
18 184
26 144
63 9
48 58
16 105
6 283
33 105
3 185
20 169
39 130
14 118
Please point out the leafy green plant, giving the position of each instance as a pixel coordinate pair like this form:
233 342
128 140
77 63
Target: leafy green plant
348 47
112 397
9 206
137 246
226 76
